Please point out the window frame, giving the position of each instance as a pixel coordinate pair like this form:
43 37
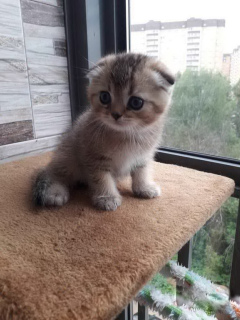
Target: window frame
112 20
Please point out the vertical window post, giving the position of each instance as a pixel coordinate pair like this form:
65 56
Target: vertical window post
235 273
93 29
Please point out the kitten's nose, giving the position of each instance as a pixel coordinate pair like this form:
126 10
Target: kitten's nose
116 115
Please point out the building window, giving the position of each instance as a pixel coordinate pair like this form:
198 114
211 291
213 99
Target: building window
190 38
192 55
193 44
193 68
151 34
193 32
194 60
193 50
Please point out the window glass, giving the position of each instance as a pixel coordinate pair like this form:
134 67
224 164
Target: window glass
199 42
213 245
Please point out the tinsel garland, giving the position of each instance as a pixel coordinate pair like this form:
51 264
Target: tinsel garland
200 298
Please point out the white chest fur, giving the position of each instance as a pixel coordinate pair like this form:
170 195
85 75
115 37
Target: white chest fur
125 160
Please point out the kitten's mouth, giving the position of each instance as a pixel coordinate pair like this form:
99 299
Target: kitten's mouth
119 124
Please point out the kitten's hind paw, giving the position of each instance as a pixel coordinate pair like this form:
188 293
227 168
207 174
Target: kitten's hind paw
47 192
147 191
109 203
57 195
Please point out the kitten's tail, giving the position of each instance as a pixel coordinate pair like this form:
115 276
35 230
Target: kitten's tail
41 185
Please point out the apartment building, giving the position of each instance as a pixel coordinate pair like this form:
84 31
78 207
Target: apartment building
193 44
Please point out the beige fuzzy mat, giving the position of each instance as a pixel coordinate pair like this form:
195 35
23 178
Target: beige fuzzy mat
79 263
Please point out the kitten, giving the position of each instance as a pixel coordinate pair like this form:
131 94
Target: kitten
130 95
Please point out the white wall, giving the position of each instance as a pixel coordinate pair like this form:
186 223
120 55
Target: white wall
34 92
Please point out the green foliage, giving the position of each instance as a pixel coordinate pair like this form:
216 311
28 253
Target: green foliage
172 311
236 90
207 307
213 245
236 116
205 117
189 279
202 115
160 282
147 294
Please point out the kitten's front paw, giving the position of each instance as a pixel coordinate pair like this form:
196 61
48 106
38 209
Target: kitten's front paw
147 191
109 203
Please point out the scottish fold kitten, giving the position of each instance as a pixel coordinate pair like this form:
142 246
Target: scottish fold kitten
129 96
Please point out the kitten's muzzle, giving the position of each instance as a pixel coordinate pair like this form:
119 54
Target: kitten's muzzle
116 115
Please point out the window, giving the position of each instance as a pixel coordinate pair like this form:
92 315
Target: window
193 44
193 55
193 32
153 53
193 68
205 114
210 126
190 38
193 50
151 34
193 60
151 39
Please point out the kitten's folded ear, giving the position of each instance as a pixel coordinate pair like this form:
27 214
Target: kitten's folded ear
98 69
95 71
164 72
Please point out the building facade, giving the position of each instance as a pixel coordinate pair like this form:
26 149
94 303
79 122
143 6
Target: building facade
226 65
192 44
235 66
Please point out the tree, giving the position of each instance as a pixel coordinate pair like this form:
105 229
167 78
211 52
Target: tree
201 116
213 244
236 91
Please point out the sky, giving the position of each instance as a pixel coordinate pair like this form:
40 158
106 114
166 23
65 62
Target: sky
176 10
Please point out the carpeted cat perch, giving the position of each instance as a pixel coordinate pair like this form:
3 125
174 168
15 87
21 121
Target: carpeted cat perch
79 263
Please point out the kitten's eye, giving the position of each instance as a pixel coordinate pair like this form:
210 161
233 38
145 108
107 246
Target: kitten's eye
135 103
105 97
